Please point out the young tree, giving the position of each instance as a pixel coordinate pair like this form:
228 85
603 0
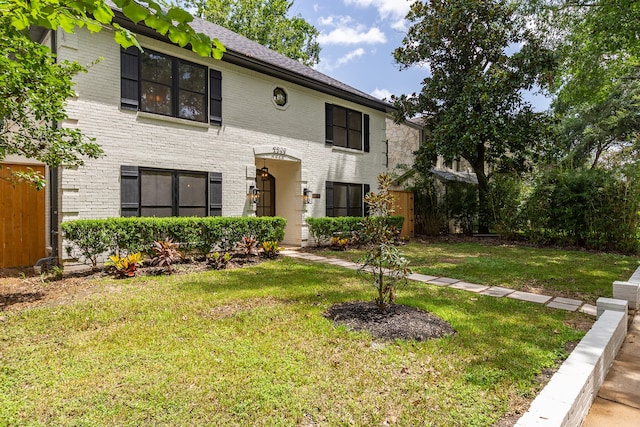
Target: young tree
481 55
382 260
266 22
34 87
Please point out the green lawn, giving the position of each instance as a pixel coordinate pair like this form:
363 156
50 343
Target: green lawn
250 347
574 274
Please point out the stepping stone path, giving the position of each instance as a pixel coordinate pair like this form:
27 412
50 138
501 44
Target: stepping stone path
494 291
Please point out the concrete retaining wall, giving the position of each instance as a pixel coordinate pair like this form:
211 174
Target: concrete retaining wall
566 399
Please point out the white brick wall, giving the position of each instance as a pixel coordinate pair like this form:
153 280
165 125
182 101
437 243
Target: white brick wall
250 119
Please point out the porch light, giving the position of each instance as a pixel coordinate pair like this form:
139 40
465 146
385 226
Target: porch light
264 172
306 196
254 194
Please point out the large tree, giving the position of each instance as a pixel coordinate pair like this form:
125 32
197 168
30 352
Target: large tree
591 130
597 81
480 56
598 40
266 22
34 86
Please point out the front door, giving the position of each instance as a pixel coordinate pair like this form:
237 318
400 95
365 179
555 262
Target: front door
267 201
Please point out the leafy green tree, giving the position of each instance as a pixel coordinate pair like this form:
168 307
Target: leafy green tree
597 129
481 55
33 93
598 42
95 15
34 87
382 260
266 22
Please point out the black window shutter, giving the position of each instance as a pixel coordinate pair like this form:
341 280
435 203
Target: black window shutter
129 191
366 133
129 77
215 95
367 189
328 118
215 194
329 196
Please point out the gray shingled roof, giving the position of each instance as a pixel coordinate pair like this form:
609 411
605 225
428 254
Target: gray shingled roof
250 54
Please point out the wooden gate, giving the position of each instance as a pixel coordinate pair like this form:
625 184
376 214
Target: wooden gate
22 222
403 205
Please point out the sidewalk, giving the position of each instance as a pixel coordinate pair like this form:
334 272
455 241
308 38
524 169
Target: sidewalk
618 401
494 291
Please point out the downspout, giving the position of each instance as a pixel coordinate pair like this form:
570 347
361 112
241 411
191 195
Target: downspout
54 217
53 180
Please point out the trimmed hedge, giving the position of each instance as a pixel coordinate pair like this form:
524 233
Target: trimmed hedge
91 238
322 229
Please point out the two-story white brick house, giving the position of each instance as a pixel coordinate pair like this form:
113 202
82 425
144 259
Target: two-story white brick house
185 135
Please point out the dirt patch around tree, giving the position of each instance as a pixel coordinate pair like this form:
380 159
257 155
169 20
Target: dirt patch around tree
396 322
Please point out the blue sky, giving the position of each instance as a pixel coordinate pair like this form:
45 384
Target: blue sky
358 38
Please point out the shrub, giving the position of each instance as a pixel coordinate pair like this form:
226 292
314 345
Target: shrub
247 246
506 199
323 229
166 253
218 261
125 266
461 201
429 208
595 208
271 249
339 243
89 239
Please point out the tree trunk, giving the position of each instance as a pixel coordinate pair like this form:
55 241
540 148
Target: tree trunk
484 212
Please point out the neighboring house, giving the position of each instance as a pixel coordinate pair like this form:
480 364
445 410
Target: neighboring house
403 140
185 135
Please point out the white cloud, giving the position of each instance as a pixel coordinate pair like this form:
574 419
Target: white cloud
400 25
350 56
327 65
386 8
349 35
382 94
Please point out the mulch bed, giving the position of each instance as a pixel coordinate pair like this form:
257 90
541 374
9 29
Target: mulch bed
396 322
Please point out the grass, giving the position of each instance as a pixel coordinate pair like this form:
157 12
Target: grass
251 347
574 274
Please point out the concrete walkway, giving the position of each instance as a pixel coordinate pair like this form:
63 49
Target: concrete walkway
494 291
618 401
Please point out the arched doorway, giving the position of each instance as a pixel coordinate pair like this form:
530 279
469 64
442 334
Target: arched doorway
266 184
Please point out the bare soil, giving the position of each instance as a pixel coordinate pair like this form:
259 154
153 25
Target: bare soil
21 289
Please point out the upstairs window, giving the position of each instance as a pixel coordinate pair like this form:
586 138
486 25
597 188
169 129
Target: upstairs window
161 84
346 128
